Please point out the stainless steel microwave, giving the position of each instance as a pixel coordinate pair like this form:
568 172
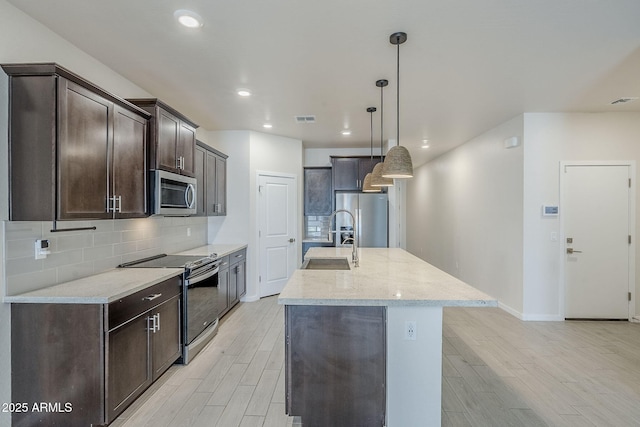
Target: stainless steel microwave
172 194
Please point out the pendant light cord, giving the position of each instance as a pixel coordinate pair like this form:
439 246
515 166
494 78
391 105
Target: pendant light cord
381 118
371 133
398 98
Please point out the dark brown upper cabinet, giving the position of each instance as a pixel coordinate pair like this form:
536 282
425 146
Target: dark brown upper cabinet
318 193
211 173
76 151
172 138
349 172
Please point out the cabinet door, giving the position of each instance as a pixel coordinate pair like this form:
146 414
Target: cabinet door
345 173
365 166
223 289
185 148
210 186
241 279
129 370
165 338
168 127
221 186
317 191
85 121
199 171
233 285
129 176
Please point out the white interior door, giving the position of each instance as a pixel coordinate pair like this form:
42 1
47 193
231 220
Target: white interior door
277 232
596 209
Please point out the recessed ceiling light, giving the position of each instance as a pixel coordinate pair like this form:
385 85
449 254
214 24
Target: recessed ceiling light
267 125
346 132
244 92
188 18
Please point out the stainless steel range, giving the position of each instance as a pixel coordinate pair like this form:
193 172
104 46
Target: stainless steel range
201 298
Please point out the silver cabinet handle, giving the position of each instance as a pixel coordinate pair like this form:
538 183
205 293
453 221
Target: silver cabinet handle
151 326
117 204
180 162
157 322
151 297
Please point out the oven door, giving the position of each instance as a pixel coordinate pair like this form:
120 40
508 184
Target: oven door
201 301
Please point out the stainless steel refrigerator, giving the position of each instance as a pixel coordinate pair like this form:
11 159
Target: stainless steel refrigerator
371 211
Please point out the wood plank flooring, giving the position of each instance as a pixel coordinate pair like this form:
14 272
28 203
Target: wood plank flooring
497 371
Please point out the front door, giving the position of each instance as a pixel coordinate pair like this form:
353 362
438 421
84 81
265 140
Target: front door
597 213
277 203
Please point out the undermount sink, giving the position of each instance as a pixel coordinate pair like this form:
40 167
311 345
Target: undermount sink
326 264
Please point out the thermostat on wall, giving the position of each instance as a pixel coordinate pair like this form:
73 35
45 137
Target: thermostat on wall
548 210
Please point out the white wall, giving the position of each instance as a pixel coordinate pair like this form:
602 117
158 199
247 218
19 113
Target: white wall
549 139
475 212
234 227
250 152
464 214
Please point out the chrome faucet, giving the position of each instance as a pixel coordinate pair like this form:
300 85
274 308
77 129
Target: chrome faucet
354 253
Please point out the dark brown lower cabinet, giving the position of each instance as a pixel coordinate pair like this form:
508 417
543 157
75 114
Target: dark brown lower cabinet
233 278
87 362
335 362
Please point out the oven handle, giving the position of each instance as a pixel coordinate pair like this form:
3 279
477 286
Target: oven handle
193 280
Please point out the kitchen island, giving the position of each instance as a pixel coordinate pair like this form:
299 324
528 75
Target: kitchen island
364 345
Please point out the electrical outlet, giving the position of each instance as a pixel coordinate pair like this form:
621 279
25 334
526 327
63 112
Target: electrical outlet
188 231
410 330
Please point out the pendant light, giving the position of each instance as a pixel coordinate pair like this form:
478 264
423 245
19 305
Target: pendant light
398 164
366 184
377 180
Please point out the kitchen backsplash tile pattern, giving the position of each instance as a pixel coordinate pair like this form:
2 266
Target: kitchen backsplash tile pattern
79 254
316 226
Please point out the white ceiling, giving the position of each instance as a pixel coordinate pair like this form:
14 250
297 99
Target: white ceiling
467 66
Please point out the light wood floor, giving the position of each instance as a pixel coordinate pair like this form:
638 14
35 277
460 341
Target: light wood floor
497 371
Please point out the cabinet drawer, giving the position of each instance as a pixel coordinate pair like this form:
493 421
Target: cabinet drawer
224 262
132 305
238 256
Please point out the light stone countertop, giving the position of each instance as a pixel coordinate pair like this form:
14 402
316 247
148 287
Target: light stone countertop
385 277
101 288
113 284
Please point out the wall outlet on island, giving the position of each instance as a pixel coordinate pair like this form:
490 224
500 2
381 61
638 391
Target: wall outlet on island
188 231
410 330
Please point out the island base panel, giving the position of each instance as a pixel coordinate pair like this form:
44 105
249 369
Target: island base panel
336 365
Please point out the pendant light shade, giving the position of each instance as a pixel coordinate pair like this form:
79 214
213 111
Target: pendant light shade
366 184
377 180
398 163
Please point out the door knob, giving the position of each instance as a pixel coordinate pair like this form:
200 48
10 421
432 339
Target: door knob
573 251
291 240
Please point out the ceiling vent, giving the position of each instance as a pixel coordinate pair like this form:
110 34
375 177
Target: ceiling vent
305 119
623 100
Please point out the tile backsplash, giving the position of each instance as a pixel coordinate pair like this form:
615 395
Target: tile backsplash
316 226
77 254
